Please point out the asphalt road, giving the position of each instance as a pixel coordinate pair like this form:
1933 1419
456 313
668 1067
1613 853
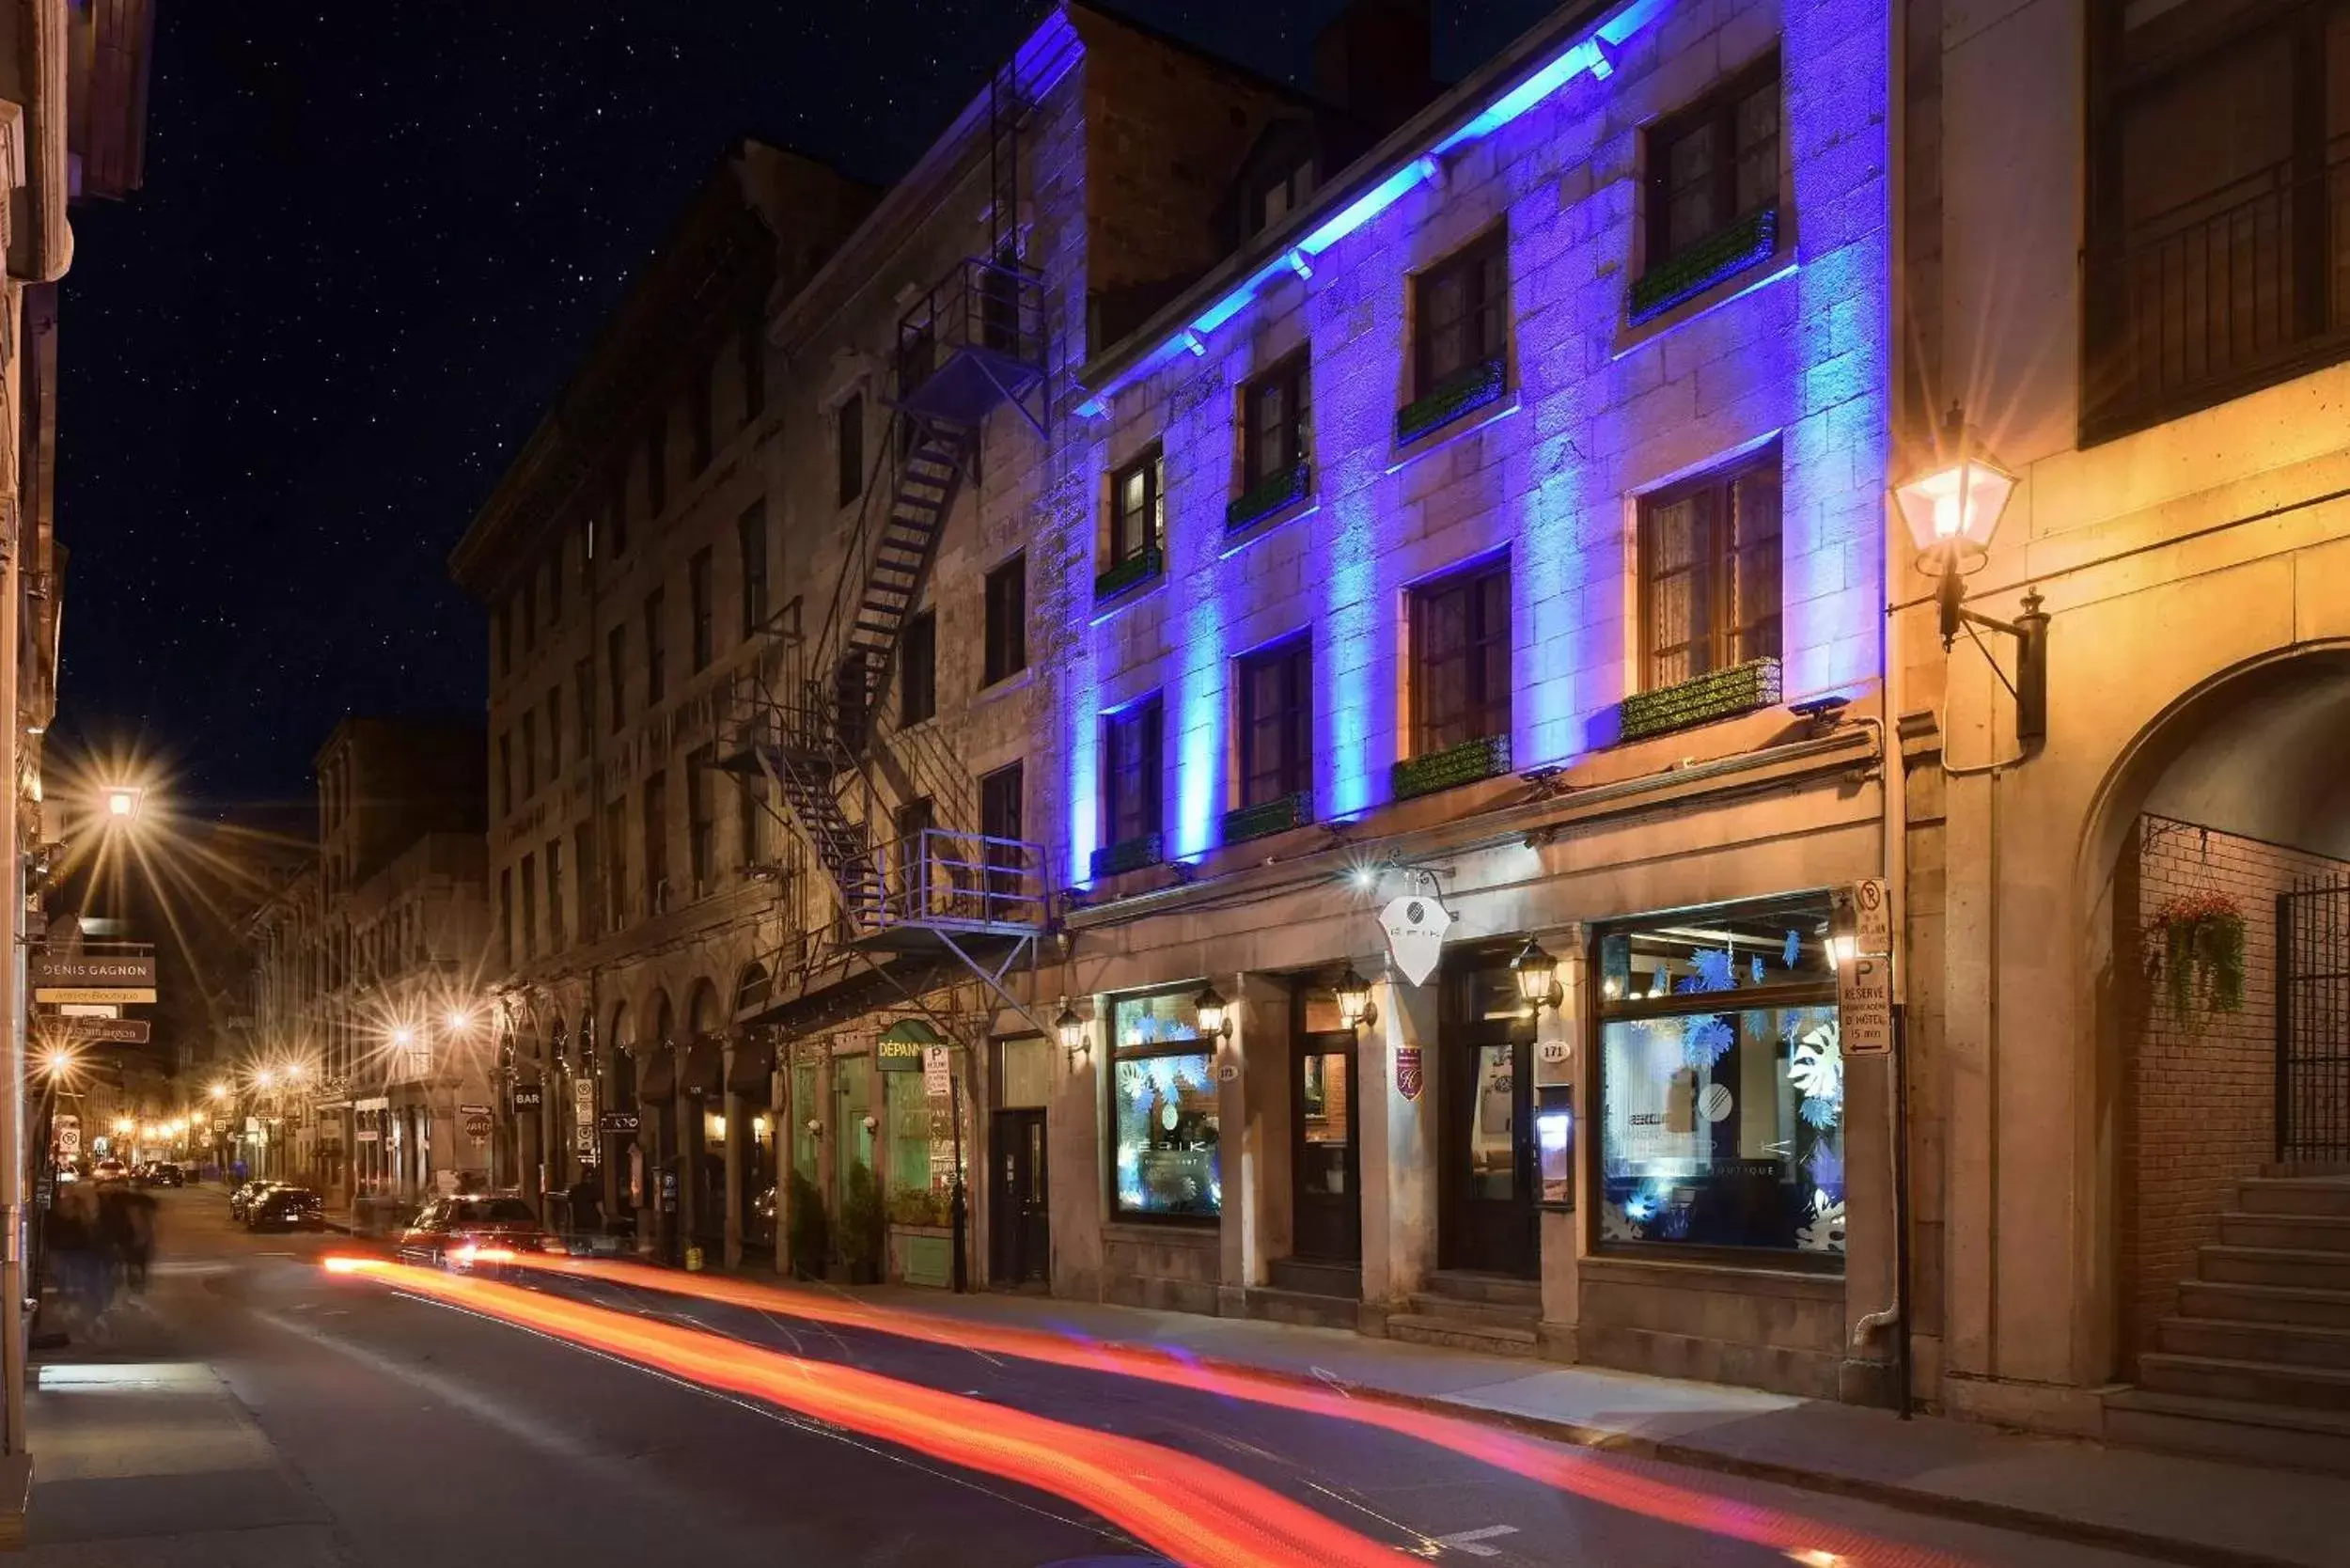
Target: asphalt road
360 1424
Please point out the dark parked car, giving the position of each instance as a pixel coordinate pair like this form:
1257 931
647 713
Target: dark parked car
284 1208
454 1231
163 1174
242 1198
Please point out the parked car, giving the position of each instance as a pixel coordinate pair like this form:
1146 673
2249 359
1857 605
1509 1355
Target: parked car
242 1198
452 1232
168 1174
285 1208
110 1170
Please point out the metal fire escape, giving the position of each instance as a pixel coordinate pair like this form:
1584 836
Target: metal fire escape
891 814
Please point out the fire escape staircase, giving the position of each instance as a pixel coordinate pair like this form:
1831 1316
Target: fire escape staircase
918 905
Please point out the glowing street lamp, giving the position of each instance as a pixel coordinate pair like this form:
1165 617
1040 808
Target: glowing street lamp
56 1062
123 801
220 1092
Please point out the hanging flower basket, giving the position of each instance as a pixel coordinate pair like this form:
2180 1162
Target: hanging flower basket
2195 948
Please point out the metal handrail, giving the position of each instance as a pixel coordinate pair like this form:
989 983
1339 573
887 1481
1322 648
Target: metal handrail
987 880
994 305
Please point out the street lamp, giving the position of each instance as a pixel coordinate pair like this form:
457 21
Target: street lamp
123 801
1356 1009
220 1092
1215 1013
1537 975
1952 511
56 1062
1073 1032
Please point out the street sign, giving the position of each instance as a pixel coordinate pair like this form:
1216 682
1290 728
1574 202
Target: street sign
899 1056
477 1125
128 995
473 1110
584 1114
90 1010
1864 1005
1872 917
222 1123
618 1121
528 1097
68 1136
1416 926
109 970
938 1073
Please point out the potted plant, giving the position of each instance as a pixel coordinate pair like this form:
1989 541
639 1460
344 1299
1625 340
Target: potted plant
862 1220
2195 949
810 1238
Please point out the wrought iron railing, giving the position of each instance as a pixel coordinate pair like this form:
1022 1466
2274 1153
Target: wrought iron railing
2313 1025
991 306
940 876
2219 295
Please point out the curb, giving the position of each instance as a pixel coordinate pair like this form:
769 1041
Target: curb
1891 1494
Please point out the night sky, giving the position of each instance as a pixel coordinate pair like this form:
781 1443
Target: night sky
372 242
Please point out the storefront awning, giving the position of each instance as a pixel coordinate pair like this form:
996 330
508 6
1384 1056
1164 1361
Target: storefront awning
705 1067
754 1069
656 1075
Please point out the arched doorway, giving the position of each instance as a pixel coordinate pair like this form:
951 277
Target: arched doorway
2217 874
701 1093
751 1077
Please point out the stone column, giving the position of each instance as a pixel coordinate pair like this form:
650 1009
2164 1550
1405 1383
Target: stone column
738 1131
1399 1144
684 1109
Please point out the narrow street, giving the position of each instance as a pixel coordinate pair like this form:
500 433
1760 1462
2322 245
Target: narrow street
253 1409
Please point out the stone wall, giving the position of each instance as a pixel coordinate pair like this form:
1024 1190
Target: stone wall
2199 1093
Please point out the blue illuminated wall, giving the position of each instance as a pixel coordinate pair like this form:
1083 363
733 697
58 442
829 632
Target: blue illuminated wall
1599 412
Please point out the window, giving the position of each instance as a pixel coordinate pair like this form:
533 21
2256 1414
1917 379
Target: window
555 588
750 802
506 915
1459 629
554 733
1715 163
1007 650
502 630
2218 214
1722 1083
912 824
616 666
656 661
698 600
616 865
619 522
1139 510
849 447
1130 772
1277 430
1277 714
656 843
701 816
750 534
506 773
1279 194
1003 807
529 614
656 466
583 704
555 894
700 417
530 753
584 863
531 906
1709 574
1165 1118
918 669
753 353
1460 312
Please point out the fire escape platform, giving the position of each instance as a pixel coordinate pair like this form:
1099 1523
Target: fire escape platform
942 934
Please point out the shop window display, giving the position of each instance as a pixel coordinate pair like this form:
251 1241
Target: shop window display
1722 1083
1164 1112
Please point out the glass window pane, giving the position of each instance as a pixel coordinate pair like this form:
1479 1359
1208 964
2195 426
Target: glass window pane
1724 1129
1492 1140
1715 949
1325 1116
1165 1118
1026 1079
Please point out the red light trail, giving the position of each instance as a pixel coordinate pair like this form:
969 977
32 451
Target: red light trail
1183 1506
1614 1485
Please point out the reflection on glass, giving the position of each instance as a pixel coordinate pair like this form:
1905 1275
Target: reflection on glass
1325 1115
1724 1129
804 1110
1492 1144
1165 1120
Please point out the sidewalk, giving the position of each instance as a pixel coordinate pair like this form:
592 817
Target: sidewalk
2170 1508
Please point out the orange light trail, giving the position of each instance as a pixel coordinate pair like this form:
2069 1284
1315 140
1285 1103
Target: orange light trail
1180 1505
1614 1485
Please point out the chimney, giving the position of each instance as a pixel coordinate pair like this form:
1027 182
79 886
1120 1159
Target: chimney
1375 60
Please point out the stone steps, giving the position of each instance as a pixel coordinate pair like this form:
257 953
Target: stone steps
2295 1195
1305 1309
2280 1436
2237 1302
1461 1334
2248 1382
2279 1343
1490 1312
2276 1265
2294 1233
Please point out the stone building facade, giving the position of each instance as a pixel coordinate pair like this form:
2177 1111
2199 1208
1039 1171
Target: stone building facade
2129 308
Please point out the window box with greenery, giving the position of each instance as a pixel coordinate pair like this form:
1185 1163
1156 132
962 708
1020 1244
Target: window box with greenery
1131 822
1273 736
1709 570
1460 682
1712 190
1166 1113
1277 443
1460 326
1133 545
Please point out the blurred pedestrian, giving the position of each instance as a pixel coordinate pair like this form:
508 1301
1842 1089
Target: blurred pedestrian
78 1247
587 1207
138 1237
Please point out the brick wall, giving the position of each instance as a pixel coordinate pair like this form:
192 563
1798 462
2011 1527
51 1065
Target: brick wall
2198 1100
